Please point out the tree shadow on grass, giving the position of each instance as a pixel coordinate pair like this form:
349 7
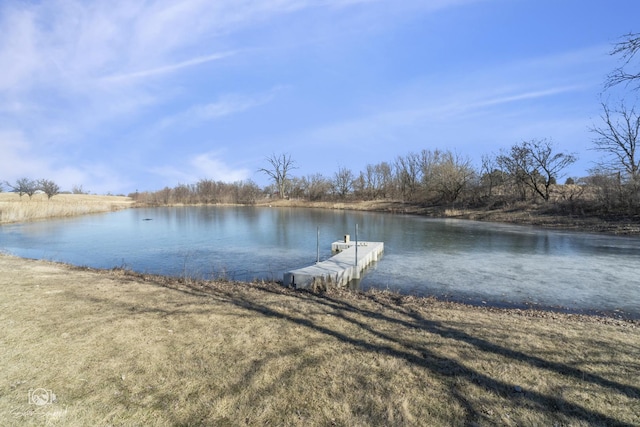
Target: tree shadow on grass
416 354
445 367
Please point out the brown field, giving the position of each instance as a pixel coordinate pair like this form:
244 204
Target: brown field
14 208
118 348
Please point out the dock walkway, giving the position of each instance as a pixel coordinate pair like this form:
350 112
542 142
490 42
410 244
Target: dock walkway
338 270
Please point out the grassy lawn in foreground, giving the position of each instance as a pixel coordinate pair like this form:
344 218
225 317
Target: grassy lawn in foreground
118 348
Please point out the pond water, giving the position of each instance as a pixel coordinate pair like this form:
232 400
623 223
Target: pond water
477 262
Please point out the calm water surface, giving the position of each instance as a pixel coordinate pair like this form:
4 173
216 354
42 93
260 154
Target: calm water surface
464 260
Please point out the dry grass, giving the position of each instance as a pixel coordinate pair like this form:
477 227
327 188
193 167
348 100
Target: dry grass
124 349
14 208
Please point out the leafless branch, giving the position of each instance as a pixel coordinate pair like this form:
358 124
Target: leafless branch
627 50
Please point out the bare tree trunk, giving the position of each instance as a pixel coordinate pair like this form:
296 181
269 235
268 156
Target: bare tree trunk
281 166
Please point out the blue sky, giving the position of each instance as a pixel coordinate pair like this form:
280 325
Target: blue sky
119 96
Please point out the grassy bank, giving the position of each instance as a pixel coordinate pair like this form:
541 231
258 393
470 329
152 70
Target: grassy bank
14 208
118 348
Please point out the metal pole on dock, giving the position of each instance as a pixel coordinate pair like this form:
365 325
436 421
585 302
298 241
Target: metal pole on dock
356 247
318 245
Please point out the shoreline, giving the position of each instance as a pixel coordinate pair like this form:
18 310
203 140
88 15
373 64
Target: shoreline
391 297
397 298
541 310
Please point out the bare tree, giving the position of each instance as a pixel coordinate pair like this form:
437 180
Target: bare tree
385 178
429 161
164 195
77 189
450 175
618 139
281 166
371 182
49 187
319 187
298 187
409 175
360 188
376 181
607 189
535 164
627 50
343 182
248 192
208 191
181 193
24 186
490 176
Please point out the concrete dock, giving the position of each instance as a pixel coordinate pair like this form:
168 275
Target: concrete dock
338 270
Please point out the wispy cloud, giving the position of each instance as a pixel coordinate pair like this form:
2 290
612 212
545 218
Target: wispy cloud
165 69
460 107
208 165
451 108
21 159
70 48
225 105
527 95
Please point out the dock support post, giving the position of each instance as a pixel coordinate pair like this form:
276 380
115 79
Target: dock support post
318 245
356 273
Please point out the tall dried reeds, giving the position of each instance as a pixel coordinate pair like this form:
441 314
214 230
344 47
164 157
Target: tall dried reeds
14 208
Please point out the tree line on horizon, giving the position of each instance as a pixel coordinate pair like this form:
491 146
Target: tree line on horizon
526 174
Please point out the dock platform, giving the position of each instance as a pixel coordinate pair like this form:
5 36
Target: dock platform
338 270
